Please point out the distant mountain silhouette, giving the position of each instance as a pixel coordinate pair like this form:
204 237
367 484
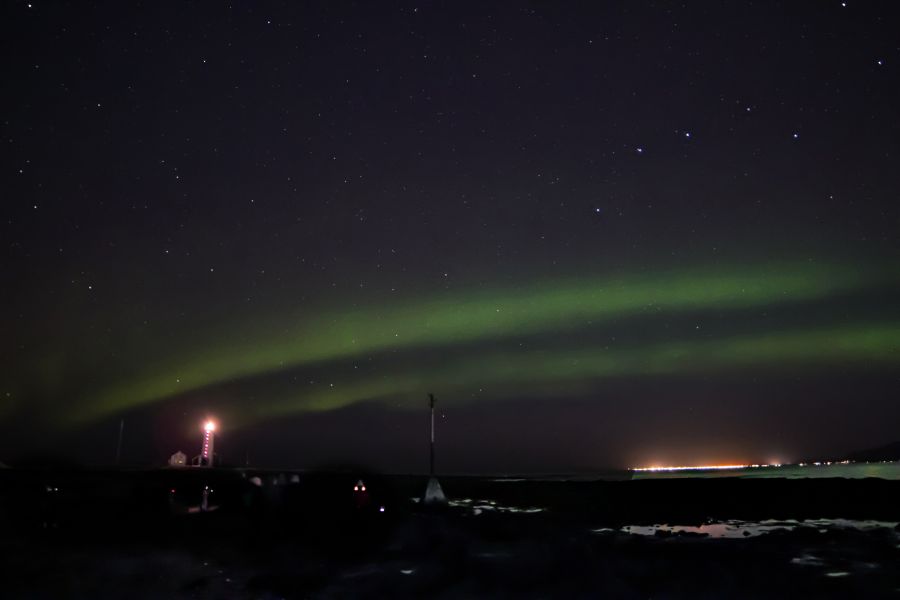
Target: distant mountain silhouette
888 452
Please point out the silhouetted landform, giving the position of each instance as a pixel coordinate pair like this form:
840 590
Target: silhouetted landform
888 452
98 534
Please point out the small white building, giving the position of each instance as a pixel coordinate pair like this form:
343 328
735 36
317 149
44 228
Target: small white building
179 459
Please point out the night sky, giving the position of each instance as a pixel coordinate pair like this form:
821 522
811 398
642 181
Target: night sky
602 234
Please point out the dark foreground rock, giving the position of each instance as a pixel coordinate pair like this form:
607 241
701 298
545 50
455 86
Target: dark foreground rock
315 539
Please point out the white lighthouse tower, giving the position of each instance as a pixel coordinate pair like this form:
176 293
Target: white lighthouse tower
207 452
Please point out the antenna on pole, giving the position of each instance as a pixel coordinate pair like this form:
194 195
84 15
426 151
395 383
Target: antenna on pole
434 495
119 445
431 461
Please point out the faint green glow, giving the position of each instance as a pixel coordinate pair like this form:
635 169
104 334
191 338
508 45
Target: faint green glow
540 373
489 315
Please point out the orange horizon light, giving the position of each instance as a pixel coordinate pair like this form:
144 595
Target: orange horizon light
694 468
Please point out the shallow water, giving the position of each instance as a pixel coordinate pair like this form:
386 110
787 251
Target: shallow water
480 506
734 529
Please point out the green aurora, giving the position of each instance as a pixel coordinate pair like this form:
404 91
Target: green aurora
479 319
541 373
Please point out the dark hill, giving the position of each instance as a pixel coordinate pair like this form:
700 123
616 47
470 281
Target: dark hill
890 452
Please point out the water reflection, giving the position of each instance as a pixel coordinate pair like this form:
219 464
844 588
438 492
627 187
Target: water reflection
743 529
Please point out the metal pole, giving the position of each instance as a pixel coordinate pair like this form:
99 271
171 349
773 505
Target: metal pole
431 402
119 445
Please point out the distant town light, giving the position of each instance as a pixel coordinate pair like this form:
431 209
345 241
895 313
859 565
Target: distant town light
694 468
209 426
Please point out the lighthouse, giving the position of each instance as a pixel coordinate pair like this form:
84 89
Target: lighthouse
207 453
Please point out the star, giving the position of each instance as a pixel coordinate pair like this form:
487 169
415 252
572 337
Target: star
434 179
